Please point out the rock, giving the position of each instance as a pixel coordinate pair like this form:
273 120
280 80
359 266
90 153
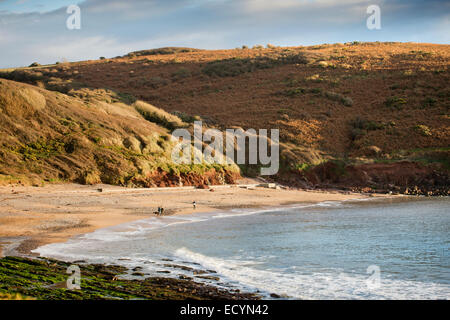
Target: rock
200 272
274 295
209 278
178 267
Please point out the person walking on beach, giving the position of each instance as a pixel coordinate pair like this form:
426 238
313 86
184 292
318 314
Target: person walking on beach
194 204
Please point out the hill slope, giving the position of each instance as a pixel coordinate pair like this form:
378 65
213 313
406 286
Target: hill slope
357 102
50 136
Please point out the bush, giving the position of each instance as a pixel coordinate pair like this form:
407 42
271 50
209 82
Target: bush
161 51
429 102
326 64
357 133
41 149
156 82
298 91
423 130
395 103
361 126
303 167
364 124
346 101
181 73
237 66
186 117
159 116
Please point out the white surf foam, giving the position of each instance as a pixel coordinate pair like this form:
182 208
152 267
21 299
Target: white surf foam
331 285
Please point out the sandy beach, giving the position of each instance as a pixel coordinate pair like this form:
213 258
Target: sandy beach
35 216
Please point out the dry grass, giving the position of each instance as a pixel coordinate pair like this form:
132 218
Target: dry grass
402 83
159 116
90 137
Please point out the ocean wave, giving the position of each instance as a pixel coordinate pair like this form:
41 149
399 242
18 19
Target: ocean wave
336 285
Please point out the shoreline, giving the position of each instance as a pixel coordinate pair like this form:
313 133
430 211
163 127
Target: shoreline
31 217
236 198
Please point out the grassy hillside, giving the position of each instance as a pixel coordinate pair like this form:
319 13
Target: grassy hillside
357 102
91 136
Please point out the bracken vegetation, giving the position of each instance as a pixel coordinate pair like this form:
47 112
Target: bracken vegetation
314 95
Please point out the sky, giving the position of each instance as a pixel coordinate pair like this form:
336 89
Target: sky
36 30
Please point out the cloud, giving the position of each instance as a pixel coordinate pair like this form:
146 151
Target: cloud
116 27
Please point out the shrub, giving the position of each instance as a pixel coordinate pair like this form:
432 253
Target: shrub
27 76
395 103
423 130
429 102
346 101
299 91
181 73
357 133
236 66
41 149
161 51
156 82
302 166
35 64
186 117
159 116
364 124
326 64
360 127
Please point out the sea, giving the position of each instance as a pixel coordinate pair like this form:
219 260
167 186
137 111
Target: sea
374 248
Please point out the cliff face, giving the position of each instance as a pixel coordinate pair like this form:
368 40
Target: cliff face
53 137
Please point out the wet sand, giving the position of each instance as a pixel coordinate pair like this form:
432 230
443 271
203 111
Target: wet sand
34 216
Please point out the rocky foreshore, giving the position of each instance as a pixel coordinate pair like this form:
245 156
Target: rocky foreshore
46 279
407 178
